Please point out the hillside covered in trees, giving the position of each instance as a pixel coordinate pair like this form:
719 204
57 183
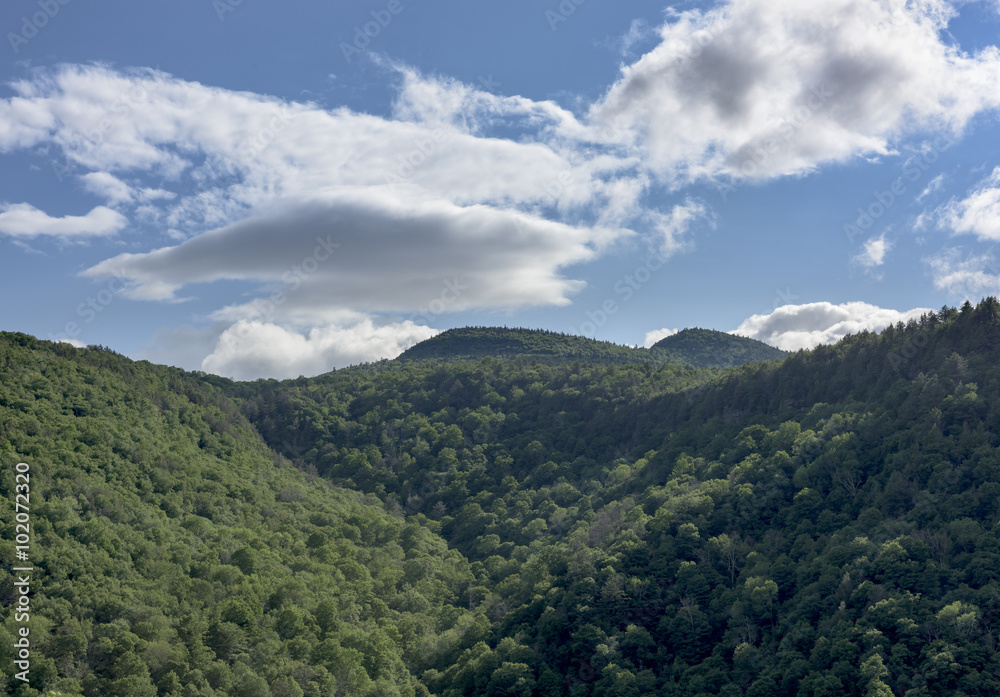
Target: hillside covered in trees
704 348
699 348
824 525
175 554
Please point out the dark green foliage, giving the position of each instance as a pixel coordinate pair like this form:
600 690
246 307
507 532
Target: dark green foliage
700 348
501 342
826 525
704 348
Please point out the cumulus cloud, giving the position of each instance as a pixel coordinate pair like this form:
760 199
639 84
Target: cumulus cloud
977 214
234 150
117 192
968 277
108 187
249 349
249 167
436 204
265 190
656 335
795 327
672 228
873 253
639 32
24 220
764 88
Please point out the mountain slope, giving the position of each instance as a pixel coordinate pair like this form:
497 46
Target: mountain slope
175 554
705 348
826 525
699 348
501 342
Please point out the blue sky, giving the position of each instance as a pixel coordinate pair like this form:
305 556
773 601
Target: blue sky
256 189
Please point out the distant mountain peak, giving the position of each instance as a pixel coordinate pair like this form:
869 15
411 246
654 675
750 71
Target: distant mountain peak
708 347
700 348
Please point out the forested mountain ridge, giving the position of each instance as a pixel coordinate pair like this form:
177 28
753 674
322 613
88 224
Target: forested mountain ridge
699 348
473 343
176 554
824 525
705 348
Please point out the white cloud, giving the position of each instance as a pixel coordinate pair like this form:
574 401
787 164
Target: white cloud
108 187
873 254
672 228
240 159
969 278
638 32
423 226
437 203
117 192
933 186
656 335
977 214
233 151
24 122
794 327
766 88
72 342
24 220
249 350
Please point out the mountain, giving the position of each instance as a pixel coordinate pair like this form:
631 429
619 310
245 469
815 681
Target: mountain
175 553
828 524
705 348
531 344
824 525
699 348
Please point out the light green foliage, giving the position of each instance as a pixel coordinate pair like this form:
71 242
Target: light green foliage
179 553
823 526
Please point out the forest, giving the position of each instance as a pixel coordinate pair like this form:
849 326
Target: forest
698 348
551 522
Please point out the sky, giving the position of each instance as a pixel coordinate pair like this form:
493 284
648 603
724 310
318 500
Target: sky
261 189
